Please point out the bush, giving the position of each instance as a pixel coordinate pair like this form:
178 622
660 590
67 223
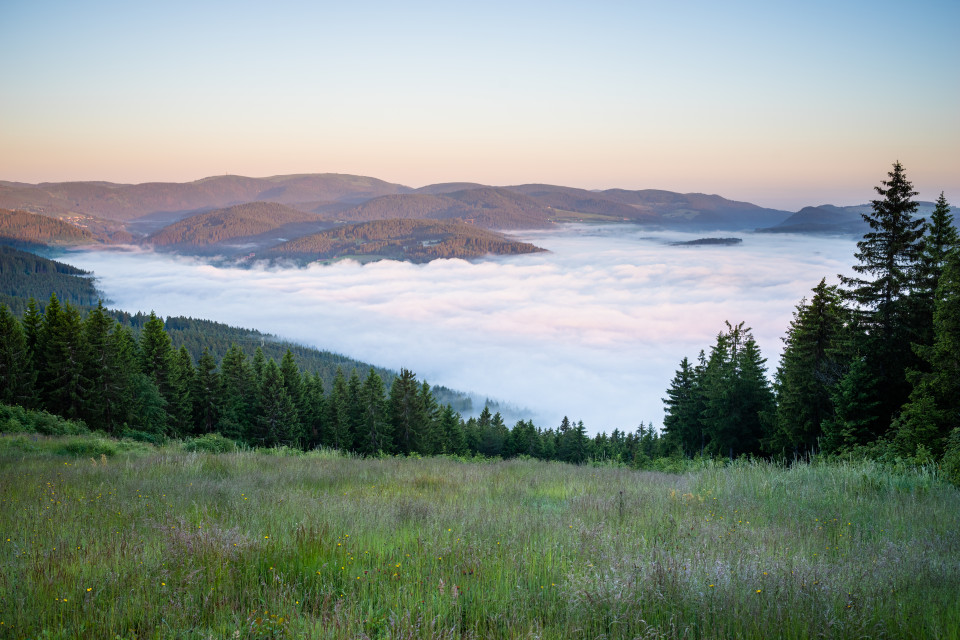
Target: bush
142 436
14 419
210 443
87 447
951 458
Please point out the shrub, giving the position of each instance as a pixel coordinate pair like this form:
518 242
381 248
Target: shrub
14 419
951 458
87 447
210 443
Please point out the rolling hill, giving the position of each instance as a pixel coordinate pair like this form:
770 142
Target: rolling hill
31 229
829 219
130 201
419 240
488 207
251 223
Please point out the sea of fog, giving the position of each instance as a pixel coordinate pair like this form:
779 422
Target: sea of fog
594 329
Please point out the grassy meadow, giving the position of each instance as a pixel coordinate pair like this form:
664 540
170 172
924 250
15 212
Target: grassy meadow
105 540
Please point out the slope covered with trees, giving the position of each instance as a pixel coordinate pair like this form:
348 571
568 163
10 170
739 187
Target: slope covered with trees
24 275
129 201
230 224
25 228
402 239
487 207
105 375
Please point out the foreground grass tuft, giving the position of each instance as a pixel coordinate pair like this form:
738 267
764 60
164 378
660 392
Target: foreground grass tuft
167 543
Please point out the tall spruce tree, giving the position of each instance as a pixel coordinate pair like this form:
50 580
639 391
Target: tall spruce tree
63 384
16 372
933 409
180 401
277 422
888 258
206 394
157 362
738 401
403 411
108 388
939 239
314 404
340 430
809 369
374 429
683 409
238 391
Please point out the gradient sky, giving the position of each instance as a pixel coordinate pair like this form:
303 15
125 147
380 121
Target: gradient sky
781 104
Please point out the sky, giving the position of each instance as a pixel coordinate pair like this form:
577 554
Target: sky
780 104
595 329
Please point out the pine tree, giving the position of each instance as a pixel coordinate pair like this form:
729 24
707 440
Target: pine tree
808 371
314 410
933 410
206 394
355 408
403 411
277 422
429 438
940 238
374 428
157 361
180 401
32 324
454 438
684 407
292 380
238 392
339 429
738 401
889 253
102 404
16 372
62 382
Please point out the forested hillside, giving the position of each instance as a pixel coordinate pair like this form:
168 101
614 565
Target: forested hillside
96 370
24 275
233 223
22 227
402 239
487 207
129 201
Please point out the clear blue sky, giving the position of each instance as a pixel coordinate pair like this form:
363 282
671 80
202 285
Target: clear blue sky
782 104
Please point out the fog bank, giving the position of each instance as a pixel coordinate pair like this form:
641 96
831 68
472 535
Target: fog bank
594 329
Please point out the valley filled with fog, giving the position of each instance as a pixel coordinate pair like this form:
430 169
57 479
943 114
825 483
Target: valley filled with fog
593 329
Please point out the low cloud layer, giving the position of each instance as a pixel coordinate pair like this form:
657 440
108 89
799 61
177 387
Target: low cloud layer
594 329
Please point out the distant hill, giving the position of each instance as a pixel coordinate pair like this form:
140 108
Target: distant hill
24 228
402 239
696 210
488 207
567 203
828 219
146 208
448 187
248 222
130 201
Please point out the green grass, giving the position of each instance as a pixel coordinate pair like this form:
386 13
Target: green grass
164 543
